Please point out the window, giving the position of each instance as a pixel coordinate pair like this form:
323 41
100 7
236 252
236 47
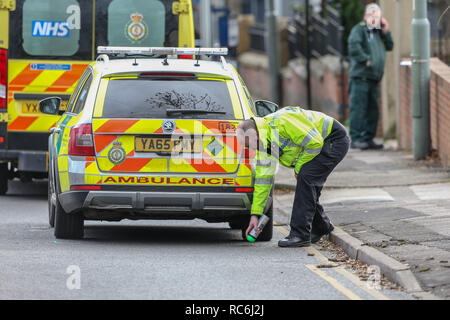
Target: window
138 22
51 29
81 100
142 98
251 103
77 90
135 23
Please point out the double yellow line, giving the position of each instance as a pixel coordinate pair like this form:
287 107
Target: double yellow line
341 271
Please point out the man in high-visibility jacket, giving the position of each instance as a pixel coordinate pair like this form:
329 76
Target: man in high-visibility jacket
311 143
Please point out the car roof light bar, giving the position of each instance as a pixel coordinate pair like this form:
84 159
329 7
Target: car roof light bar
162 51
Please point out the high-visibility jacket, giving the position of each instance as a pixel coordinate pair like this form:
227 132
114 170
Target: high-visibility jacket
291 136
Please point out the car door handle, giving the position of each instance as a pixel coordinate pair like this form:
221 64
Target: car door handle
55 130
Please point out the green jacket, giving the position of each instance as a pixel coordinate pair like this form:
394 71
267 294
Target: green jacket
365 44
293 137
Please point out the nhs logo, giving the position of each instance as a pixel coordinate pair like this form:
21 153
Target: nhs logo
58 29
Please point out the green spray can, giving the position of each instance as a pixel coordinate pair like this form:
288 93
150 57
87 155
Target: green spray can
253 235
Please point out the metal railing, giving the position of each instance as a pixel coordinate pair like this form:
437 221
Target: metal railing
325 32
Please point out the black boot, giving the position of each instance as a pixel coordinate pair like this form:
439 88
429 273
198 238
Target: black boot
315 237
374 146
293 242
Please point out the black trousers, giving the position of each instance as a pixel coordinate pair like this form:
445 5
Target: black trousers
307 213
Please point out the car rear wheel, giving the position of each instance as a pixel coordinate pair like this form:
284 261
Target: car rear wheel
267 232
3 178
68 225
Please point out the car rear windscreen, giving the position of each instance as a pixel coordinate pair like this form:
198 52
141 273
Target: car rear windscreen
156 99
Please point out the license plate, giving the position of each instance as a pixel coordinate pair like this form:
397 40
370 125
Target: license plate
179 145
33 106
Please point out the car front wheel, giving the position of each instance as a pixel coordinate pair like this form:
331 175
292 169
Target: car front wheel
51 199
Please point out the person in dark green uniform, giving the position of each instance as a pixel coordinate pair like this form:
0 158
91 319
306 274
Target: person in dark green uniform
367 45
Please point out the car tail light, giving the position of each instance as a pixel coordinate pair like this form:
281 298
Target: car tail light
86 187
81 142
185 56
3 78
243 189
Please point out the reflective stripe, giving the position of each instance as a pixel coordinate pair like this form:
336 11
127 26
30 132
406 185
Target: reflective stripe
282 111
266 181
326 125
296 160
275 150
308 115
264 163
308 138
313 151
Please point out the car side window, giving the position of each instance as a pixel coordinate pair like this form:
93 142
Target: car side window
81 100
77 90
248 96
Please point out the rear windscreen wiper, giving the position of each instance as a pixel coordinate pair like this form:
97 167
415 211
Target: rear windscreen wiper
171 111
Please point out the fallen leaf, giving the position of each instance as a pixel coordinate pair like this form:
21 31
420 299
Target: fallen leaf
424 269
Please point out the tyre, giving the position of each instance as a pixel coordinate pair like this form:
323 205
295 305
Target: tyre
267 232
3 178
51 206
238 224
68 225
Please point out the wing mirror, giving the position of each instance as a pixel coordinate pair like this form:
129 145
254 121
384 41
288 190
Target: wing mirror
51 105
263 107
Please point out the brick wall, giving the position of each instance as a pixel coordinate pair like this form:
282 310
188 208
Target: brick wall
439 109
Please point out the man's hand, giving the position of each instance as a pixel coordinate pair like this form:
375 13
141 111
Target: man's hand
368 63
253 224
384 25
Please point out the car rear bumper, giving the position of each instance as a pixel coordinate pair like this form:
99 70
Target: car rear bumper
117 205
35 161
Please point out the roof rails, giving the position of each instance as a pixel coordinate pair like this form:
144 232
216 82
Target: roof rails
150 51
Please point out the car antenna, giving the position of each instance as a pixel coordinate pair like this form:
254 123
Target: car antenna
198 58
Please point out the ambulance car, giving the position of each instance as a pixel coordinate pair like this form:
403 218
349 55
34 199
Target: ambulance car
152 138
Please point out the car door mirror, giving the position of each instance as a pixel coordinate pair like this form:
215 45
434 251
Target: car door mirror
263 107
51 105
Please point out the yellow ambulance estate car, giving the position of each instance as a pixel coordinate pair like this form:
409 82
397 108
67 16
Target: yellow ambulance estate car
46 45
151 138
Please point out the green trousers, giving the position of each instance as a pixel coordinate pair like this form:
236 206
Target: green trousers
363 109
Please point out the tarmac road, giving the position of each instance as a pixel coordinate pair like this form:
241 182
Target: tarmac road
155 260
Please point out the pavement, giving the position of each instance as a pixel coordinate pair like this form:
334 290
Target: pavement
387 201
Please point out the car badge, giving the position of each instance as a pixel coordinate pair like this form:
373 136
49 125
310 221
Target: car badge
168 126
117 154
136 29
